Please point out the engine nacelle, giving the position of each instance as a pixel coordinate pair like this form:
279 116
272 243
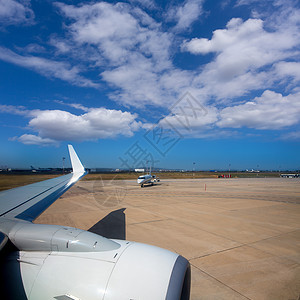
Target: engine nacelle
40 237
132 272
112 270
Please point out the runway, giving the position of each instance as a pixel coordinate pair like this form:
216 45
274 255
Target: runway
241 236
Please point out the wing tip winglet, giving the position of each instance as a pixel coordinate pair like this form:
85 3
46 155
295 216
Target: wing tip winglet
75 161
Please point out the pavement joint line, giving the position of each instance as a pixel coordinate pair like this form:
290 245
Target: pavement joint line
208 195
217 252
221 282
221 214
146 205
274 255
82 205
256 226
274 236
253 246
225 209
255 197
153 221
250 244
219 235
182 222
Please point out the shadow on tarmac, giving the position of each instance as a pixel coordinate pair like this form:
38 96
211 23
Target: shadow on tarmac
113 226
151 185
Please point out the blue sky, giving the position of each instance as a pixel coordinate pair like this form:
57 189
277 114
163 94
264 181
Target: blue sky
168 83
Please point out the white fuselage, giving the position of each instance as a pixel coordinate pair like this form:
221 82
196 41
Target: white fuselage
144 179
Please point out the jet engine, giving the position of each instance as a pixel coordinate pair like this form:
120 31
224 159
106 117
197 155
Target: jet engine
64 263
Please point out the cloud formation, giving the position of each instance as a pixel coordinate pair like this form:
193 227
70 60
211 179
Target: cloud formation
185 14
98 123
15 12
128 44
31 139
48 68
245 53
271 111
291 136
129 49
54 126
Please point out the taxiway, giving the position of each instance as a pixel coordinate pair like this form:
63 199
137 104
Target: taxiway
241 236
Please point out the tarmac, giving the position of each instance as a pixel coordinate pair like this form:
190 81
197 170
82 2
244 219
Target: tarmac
241 236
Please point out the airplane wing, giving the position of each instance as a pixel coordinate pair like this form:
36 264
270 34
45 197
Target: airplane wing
28 202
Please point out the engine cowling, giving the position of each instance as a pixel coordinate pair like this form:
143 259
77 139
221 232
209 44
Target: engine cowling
120 270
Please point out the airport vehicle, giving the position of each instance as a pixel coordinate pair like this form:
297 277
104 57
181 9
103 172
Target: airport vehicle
58 262
155 179
289 175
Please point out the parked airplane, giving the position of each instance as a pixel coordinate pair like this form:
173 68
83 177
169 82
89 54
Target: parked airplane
58 262
35 170
252 171
147 179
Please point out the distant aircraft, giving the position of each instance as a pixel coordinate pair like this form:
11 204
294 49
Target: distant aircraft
252 171
40 261
147 179
35 170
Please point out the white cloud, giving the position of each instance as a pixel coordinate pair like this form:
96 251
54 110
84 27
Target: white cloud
98 123
185 14
119 32
61 46
16 12
131 47
16 110
74 105
54 126
248 2
46 67
189 118
247 44
31 139
97 23
245 53
134 54
203 126
291 136
190 122
271 111
145 3
288 70
34 48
